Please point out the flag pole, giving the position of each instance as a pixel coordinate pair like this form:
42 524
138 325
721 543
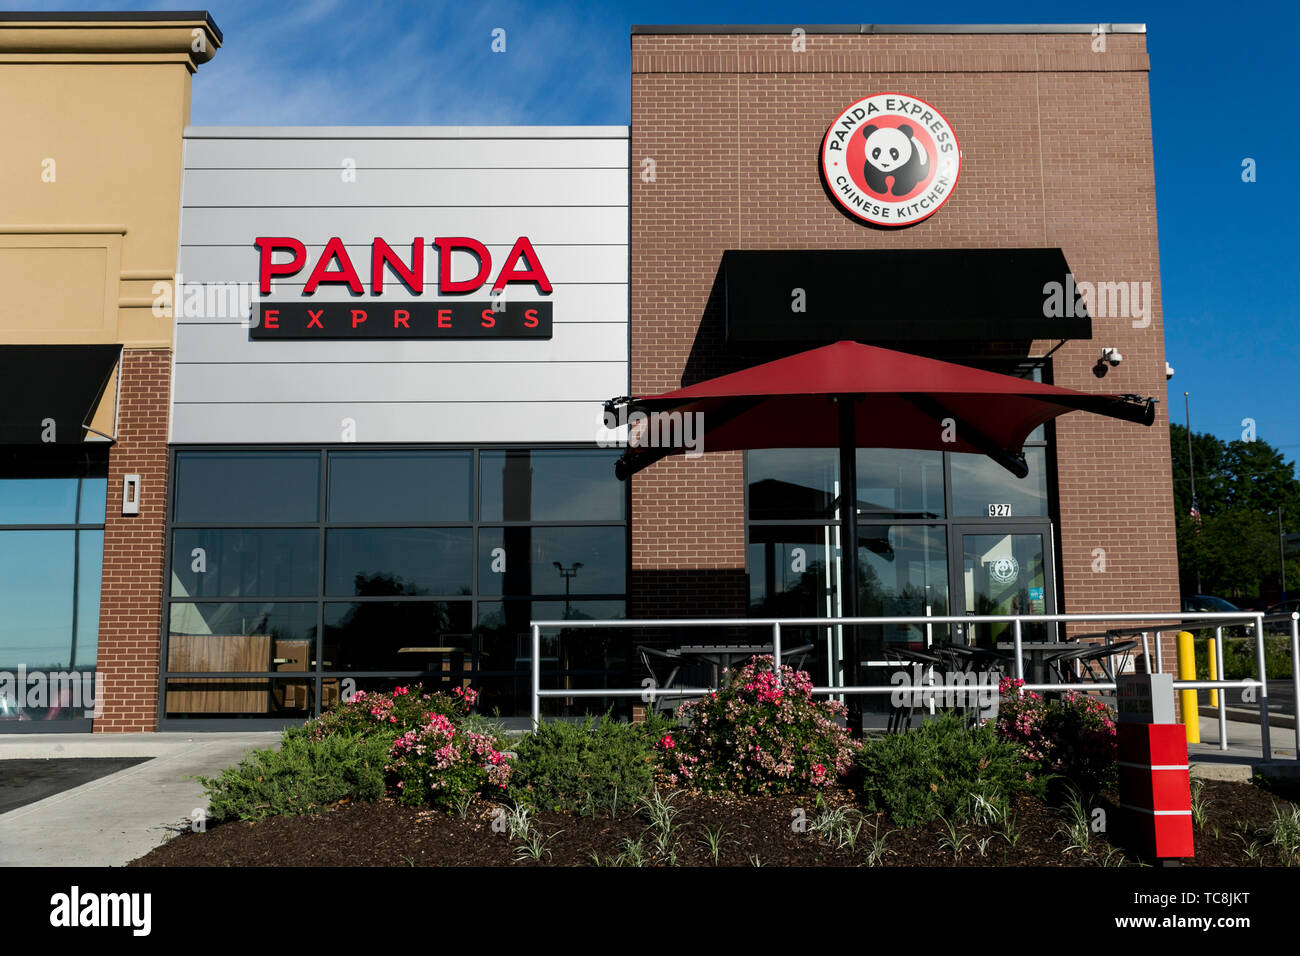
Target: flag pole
1191 471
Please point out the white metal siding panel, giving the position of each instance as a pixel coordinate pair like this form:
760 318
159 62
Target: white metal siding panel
405 187
565 188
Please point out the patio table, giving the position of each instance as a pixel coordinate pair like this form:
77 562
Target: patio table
721 656
1040 655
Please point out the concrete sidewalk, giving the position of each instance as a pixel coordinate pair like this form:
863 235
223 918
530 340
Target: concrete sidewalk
1244 757
114 819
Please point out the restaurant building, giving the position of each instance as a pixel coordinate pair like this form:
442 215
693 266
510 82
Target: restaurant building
369 444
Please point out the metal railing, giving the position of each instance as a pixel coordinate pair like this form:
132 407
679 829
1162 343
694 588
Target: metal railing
1159 620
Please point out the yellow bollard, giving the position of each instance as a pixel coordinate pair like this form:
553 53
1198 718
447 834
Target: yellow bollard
1187 698
1214 669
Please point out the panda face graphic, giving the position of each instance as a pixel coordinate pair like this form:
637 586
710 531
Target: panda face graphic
888 149
894 154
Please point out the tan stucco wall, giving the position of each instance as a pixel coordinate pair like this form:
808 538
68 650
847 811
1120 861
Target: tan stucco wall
90 176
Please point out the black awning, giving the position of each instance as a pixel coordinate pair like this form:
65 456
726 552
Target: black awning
49 393
883 296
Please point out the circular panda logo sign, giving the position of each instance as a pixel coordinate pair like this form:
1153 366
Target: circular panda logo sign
891 159
1004 570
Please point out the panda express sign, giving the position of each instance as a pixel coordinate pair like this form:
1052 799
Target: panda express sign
449 315
891 159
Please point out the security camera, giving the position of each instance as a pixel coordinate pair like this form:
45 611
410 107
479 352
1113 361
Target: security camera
1111 357
1169 371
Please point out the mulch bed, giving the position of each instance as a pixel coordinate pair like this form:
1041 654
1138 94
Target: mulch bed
752 830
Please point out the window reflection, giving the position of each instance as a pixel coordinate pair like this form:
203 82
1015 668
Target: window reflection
36 598
398 561
400 486
792 482
574 658
50 581
38 500
551 484
550 560
247 487
894 483
431 637
245 563
978 482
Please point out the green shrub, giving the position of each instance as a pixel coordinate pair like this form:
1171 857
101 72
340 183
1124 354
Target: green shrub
1239 659
580 766
937 769
304 776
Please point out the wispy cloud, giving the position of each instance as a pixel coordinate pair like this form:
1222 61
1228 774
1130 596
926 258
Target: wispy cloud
399 63
403 62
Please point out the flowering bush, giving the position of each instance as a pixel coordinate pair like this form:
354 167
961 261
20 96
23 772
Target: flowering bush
439 763
434 757
391 715
1073 737
758 736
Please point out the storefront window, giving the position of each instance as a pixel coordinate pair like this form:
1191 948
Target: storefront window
254 487
792 482
36 580
432 637
371 562
280 562
51 560
979 483
400 487
897 483
549 485
551 560
40 501
576 658
398 577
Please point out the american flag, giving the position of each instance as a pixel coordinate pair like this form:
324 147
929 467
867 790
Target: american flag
1194 511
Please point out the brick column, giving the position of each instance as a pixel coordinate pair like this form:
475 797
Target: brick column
130 606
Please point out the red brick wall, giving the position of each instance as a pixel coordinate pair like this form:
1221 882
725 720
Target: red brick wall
130 605
1056 144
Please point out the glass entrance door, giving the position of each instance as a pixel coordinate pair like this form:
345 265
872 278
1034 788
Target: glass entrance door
1001 569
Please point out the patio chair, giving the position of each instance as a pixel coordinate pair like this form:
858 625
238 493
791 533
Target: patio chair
652 656
795 656
900 718
1101 656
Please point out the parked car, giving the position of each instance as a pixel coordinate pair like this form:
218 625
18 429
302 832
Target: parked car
1286 607
1217 605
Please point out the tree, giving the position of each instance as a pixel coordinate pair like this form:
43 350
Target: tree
1240 486
1212 477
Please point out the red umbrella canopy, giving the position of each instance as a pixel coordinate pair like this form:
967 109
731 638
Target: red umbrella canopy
901 401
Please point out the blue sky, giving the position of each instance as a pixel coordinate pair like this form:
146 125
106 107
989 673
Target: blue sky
1222 89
